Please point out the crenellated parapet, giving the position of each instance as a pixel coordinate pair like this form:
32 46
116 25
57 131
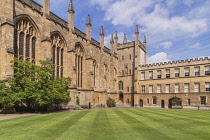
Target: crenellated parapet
178 63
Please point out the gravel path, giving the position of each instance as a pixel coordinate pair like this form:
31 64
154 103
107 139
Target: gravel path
10 116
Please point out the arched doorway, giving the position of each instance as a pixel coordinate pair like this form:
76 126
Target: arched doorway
175 103
141 103
121 98
162 104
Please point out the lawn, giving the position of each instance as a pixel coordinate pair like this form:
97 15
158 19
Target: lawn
110 124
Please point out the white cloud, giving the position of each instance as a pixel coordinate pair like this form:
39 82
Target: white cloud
157 19
157 58
167 44
195 45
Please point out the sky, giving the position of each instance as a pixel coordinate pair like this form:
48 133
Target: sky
175 29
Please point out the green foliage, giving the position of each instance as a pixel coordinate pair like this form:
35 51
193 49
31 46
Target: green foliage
7 97
34 88
111 102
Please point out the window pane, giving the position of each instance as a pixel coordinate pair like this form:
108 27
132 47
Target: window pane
186 88
142 76
150 75
159 89
167 88
33 47
197 87
177 88
150 89
207 87
176 70
21 43
27 46
203 100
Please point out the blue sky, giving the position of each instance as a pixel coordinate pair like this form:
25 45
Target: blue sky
175 29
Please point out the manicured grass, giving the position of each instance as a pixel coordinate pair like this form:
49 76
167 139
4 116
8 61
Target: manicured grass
110 124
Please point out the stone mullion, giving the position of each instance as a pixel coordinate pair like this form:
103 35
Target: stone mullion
62 58
55 65
60 62
30 52
18 43
81 72
78 70
24 46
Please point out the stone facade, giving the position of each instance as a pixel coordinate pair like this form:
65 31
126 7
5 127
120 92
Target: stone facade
31 32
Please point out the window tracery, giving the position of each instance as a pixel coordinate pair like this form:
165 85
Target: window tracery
57 54
25 40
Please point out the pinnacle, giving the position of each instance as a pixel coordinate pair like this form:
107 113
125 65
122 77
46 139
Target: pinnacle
102 30
125 39
137 29
71 7
88 20
145 40
116 36
112 39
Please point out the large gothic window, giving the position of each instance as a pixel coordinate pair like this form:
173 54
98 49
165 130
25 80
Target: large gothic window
57 54
25 40
94 73
79 64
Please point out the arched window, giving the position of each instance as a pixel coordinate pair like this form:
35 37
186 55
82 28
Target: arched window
79 63
57 54
26 35
94 73
79 71
120 85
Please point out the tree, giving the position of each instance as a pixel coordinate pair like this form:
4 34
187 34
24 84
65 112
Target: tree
35 86
111 102
7 97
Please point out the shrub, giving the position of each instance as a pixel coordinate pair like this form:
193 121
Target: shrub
85 106
111 102
77 107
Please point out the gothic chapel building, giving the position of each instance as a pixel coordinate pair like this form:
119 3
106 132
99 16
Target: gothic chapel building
29 31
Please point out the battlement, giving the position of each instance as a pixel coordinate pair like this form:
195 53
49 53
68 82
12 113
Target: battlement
177 63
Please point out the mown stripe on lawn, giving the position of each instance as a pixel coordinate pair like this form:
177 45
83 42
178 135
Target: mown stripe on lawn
101 128
138 126
176 122
121 129
82 129
168 126
16 126
181 116
57 128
